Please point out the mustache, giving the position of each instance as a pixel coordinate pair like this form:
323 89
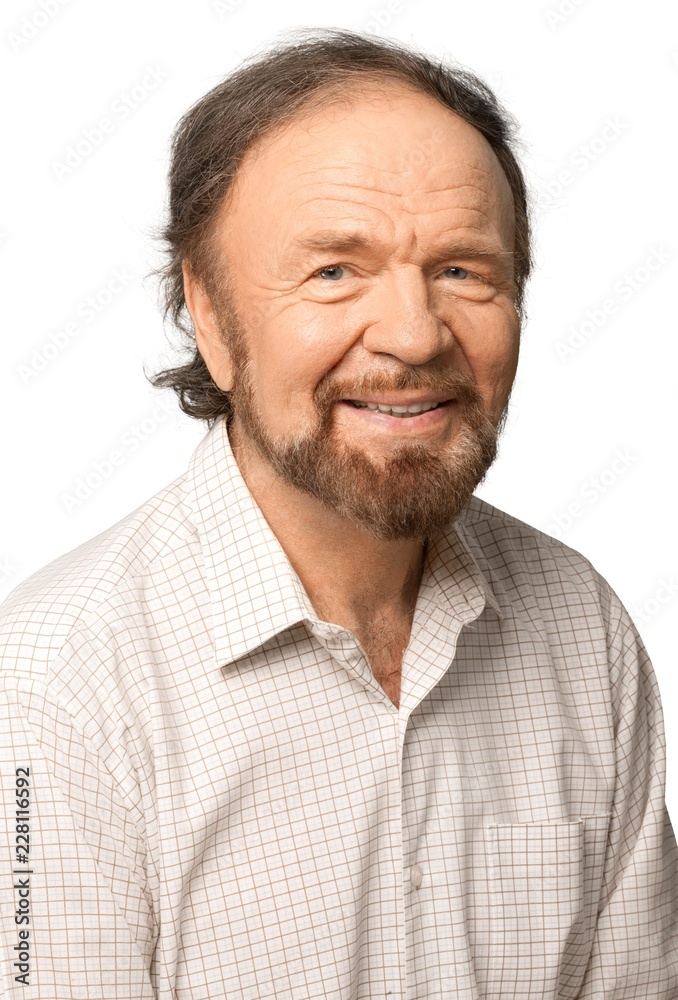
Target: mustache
460 385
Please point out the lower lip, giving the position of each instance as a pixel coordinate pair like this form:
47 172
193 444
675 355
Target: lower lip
403 425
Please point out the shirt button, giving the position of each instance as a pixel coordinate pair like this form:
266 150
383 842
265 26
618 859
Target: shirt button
416 876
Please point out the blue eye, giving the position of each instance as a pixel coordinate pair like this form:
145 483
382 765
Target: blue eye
461 273
331 267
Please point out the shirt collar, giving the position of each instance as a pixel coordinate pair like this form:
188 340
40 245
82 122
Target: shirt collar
254 590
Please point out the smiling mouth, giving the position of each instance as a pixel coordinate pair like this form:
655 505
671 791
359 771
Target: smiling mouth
411 410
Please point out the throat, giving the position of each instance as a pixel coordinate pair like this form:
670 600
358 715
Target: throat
385 643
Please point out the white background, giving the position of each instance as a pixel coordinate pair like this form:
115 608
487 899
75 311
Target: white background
594 85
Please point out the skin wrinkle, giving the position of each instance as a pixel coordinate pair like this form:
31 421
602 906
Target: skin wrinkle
476 217
400 194
352 505
474 211
501 261
496 271
328 239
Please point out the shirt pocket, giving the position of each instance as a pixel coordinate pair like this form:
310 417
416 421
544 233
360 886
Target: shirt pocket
544 882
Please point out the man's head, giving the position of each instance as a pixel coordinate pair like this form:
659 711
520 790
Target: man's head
420 305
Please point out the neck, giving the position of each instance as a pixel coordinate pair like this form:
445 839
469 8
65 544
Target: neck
352 578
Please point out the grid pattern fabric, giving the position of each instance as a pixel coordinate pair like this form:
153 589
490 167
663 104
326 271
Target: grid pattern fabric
225 803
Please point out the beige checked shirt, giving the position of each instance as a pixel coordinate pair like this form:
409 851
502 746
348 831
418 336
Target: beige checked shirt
219 800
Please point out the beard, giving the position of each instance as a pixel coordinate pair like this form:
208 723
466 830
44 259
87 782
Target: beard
411 493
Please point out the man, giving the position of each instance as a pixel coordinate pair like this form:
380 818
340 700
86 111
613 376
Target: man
315 721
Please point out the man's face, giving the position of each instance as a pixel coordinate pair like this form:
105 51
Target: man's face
421 313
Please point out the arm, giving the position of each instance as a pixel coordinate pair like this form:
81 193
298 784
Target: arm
635 949
90 924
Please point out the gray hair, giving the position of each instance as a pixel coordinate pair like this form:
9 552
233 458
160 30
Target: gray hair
270 90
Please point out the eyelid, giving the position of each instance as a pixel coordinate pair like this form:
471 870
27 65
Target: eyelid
335 263
472 274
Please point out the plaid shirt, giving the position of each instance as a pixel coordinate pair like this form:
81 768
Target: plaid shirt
223 802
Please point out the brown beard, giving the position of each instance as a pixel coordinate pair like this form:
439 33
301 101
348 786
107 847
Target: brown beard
412 493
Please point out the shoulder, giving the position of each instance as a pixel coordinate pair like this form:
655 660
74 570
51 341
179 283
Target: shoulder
530 566
44 611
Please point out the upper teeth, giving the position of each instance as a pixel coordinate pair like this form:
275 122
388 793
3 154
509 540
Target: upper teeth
385 408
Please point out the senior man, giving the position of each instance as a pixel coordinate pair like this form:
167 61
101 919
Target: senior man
315 721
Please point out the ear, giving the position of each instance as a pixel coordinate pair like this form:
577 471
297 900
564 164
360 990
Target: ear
208 338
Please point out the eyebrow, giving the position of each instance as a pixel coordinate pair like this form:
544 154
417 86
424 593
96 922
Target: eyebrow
337 241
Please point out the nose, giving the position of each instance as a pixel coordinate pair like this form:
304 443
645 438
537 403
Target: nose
404 322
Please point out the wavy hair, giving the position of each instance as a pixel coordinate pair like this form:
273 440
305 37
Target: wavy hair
270 90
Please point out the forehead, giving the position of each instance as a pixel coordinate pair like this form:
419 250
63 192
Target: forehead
383 153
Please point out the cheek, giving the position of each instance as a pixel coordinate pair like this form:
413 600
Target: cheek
490 342
292 353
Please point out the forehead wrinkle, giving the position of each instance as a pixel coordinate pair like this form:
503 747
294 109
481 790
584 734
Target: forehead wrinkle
476 152
347 166
492 172
341 181
491 169
347 184
487 221
366 187
482 198
480 208
468 243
